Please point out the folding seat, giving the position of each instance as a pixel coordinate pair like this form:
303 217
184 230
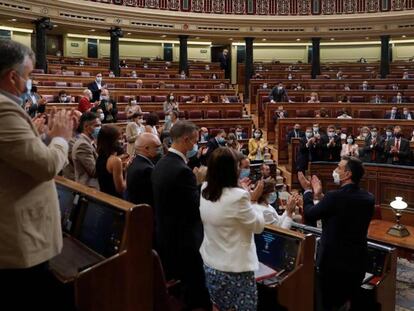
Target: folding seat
55 71
94 64
49 83
195 76
150 75
124 98
365 114
200 86
327 99
75 84
184 98
184 86
212 114
236 114
85 74
68 73
110 85
164 76
380 86
61 84
159 98
131 85
195 114
169 85
122 116
357 99
48 98
304 113
314 87
146 98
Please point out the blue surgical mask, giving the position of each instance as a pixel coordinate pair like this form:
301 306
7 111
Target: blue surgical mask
192 152
221 140
244 172
272 198
28 85
95 132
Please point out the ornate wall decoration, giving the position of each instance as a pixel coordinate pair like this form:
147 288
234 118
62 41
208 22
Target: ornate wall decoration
131 2
197 5
283 7
328 7
239 6
397 5
262 7
174 5
304 7
152 4
119 2
218 6
349 6
372 6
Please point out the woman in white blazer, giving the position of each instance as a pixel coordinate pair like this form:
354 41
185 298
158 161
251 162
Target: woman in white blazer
351 148
230 222
133 129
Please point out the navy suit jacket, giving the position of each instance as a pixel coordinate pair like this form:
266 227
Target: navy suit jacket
139 187
96 92
345 214
178 226
388 116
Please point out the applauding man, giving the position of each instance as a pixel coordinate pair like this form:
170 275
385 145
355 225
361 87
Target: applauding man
345 214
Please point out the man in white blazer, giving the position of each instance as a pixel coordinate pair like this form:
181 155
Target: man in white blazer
30 229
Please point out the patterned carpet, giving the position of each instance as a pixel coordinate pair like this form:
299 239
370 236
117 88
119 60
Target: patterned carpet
405 285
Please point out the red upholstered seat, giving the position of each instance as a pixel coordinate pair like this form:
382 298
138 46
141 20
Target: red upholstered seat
184 86
169 85
76 84
181 114
195 114
124 98
94 64
145 98
234 114
150 75
48 98
160 114
121 116
55 71
315 86
410 86
49 83
68 73
110 85
233 99
184 98
195 76
85 74
61 83
304 113
131 85
164 76
327 99
212 114
38 71
357 99
160 98
380 86
306 77
265 99
200 86
364 113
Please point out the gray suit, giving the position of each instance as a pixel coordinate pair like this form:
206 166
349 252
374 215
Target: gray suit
84 161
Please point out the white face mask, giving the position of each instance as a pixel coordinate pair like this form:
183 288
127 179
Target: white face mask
101 116
374 134
316 129
171 98
308 134
349 141
343 136
256 135
63 99
133 102
336 178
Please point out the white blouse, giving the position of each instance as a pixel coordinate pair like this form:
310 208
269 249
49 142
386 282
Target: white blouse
272 217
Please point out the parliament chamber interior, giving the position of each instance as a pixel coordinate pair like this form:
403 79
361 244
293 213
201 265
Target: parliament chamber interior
293 88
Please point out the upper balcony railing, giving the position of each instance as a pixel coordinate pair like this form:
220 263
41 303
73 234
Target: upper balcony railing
271 7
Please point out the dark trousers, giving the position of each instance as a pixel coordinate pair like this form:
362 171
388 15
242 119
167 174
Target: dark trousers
33 288
335 288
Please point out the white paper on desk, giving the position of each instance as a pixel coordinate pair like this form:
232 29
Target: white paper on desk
264 272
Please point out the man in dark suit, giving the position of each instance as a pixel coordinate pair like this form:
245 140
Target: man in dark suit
225 63
373 150
295 133
407 114
218 141
139 189
96 87
331 145
280 113
397 149
345 214
393 114
398 99
108 106
178 227
279 94
307 148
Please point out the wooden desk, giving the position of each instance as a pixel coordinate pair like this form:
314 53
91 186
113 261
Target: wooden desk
377 231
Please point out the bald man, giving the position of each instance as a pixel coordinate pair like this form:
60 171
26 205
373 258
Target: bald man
148 149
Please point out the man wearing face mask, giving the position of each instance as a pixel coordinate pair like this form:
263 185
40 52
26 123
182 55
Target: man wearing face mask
85 102
397 149
307 150
398 99
407 114
389 131
218 141
295 133
108 106
62 97
244 167
279 94
373 150
148 149
178 227
203 135
96 87
30 228
345 214
393 114
331 145
84 153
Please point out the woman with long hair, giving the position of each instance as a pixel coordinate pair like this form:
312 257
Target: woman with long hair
109 168
230 222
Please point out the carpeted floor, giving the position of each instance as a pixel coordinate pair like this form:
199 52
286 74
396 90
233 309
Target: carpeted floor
405 285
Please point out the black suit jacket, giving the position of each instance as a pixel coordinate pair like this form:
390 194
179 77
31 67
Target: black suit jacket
388 116
178 227
331 153
224 61
345 214
291 135
211 145
278 95
374 154
111 116
96 92
138 178
405 117
403 156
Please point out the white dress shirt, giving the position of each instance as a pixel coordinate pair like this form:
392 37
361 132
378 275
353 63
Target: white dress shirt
229 227
179 153
272 217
